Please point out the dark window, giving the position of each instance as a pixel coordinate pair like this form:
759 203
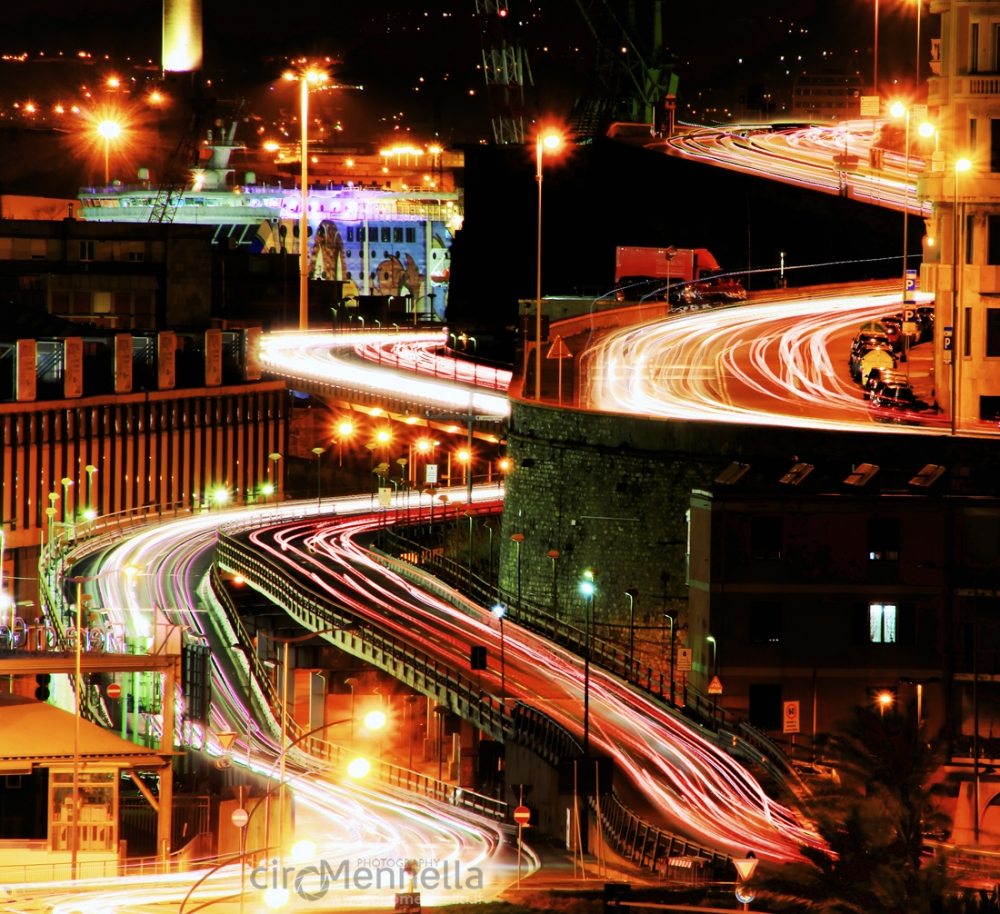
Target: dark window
994 144
859 623
86 250
765 706
411 235
993 234
970 223
350 233
883 539
973 123
906 625
765 622
993 331
967 333
974 49
386 233
766 537
989 407
397 235
136 256
361 233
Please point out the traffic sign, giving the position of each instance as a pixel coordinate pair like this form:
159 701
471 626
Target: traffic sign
911 286
226 739
715 686
684 658
745 867
113 690
431 473
522 815
869 106
240 817
790 719
559 350
223 762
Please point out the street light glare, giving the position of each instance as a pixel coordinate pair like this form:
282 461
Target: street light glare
926 129
268 490
374 720
499 610
221 496
276 898
551 140
359 768
345 428
587 588
885 699
963 165
109 129
303 851
897 110
383 436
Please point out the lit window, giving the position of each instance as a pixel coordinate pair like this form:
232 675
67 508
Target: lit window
882 623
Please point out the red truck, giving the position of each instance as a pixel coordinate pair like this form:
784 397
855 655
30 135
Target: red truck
642 273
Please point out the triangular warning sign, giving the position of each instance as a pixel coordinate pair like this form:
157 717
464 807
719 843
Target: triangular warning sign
226 739
559 350
715 686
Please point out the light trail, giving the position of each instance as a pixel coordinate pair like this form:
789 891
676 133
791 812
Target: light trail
693 787
347 820
319 357
761 364
805 156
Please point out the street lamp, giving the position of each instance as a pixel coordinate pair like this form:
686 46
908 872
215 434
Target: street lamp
587 588
518 538
166 740
499 610
109 130
308 78
346 429
670 618
631 593
875 63
715 672
90 469
318 451
956 274
273 468
899 110
885 700
554 555
551 141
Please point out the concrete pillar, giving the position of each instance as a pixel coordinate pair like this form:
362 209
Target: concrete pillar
430 735
456 756
469 756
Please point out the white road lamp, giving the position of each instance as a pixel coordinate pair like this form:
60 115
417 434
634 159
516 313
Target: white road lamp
551 141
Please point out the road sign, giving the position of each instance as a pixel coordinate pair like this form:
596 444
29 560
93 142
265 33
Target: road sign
114 690
715 686
911 287
226 739
918 114
746 867
870 106
240 817
384 496
790 719
684 657
431 473
559 350
947 344
522 815
223 762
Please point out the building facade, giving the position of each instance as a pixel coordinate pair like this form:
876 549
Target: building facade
961 263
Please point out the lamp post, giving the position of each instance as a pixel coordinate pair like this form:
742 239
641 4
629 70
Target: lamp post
91 469
631 593
544 141
318 451
554 555
273 459
66 483
715 671
900 110
875 63
109 130
166 740
956 274
671 620
346 429
518 538
306 78
884 701
587 588
499 610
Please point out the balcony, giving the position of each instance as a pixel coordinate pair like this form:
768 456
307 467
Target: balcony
984 85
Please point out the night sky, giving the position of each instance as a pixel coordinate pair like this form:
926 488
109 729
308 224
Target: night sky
721 48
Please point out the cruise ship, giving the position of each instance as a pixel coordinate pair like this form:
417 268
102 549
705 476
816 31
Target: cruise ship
374 240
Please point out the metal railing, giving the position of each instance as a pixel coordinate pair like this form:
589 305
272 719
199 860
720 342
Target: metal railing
356 635
629 834
734 736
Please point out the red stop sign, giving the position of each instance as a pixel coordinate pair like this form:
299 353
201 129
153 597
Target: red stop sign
114 690
522 815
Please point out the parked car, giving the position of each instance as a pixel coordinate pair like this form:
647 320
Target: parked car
871 353
896 400
877 378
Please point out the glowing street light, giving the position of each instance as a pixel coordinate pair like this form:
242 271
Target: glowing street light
885 700
359 768
307 78
926 130
499 610
588 588
551 141
109 130
375 720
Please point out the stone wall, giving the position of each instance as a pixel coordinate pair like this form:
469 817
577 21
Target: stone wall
612 492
